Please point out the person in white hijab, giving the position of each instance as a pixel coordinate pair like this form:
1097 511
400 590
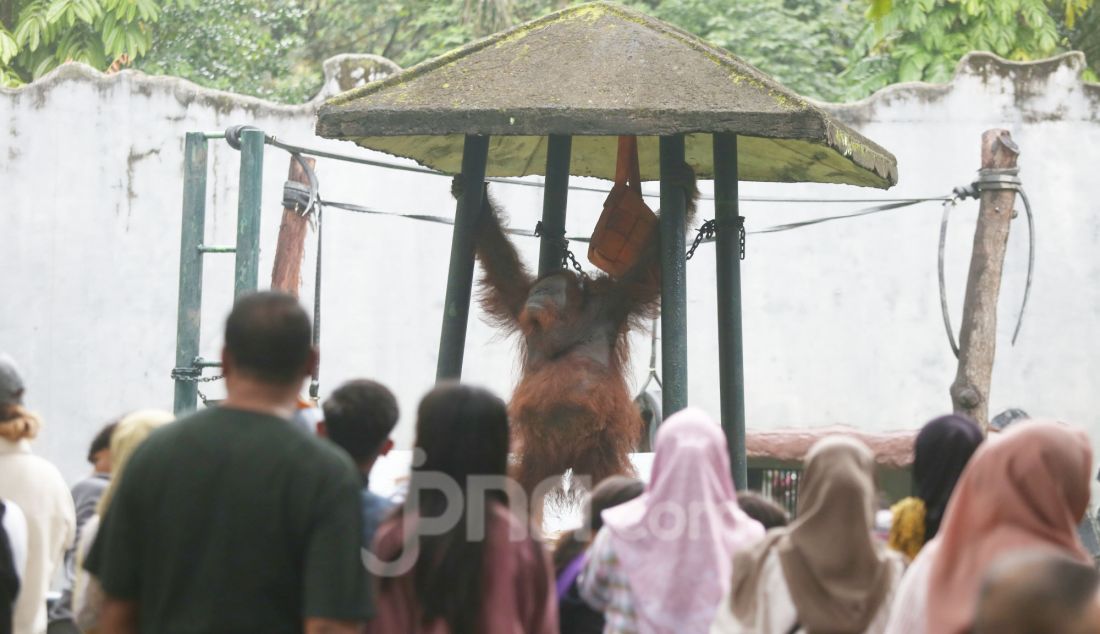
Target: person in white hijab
662 561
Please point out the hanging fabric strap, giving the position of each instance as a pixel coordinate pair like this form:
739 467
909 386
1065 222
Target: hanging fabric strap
628 173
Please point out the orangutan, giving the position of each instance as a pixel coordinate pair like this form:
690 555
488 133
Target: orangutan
571 407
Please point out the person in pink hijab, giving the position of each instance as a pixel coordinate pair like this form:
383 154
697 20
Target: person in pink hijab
1025 489
663 561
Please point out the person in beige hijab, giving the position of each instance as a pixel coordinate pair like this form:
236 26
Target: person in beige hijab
826 572
131 431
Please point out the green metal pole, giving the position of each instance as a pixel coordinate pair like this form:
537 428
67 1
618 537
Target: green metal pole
555 196
189 307
460 277
248 212
673 279
731 345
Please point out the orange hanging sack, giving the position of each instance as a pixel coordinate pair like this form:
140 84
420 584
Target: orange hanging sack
627 224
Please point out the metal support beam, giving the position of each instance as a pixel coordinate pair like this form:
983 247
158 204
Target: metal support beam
673 279
189 316
731 349
460 277
246 278
555 196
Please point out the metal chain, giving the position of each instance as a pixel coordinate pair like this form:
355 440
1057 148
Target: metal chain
741 228
194 375
706 232
188 375
709 231
203 397
567 258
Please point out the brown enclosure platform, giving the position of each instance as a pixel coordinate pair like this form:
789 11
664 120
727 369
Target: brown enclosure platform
891 449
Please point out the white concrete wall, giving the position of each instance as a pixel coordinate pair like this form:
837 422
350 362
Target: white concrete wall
841 320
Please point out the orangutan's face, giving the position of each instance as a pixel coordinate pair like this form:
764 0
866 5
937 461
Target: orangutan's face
553 300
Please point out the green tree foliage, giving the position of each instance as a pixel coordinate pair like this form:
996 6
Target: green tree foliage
1083 34
274 48
245 46
805 44
914 40
827 49
38 35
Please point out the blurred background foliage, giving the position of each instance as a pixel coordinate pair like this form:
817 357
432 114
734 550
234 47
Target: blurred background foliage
833 50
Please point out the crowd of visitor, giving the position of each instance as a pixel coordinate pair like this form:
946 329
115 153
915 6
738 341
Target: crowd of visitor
235 520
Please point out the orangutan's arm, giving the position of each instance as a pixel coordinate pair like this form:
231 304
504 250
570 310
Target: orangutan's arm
506 281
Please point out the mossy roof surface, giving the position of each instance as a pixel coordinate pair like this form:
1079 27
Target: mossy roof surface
596 71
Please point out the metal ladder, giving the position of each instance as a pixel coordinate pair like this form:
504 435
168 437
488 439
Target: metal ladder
187 372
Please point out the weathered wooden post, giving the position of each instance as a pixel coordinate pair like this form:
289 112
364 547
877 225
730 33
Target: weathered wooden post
286 273
978 333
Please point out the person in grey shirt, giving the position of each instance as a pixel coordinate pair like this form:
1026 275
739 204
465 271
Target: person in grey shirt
86 494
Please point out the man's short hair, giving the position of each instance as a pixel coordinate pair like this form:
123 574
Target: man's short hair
359 416
1035 592
269 336
102 440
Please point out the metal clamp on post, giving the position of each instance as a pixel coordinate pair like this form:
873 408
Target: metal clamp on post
297 196
193 373
998 179
233 135
189 375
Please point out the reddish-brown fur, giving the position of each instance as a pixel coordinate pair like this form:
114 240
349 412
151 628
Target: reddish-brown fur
572 407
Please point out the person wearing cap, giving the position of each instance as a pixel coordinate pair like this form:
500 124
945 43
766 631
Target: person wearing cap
37 487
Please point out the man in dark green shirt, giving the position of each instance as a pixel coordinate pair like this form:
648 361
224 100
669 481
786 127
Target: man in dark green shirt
232 520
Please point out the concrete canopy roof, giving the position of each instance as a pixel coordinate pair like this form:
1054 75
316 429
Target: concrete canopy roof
596 71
